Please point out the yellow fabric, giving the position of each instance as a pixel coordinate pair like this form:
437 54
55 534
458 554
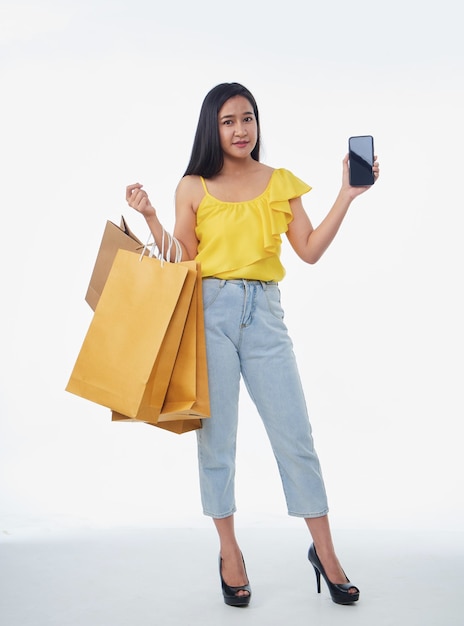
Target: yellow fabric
243 239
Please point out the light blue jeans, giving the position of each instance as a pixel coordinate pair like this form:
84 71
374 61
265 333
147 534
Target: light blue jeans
246 335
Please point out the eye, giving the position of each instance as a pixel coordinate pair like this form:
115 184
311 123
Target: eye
248 119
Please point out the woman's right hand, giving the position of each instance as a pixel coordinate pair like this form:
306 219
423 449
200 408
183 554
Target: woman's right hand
137 198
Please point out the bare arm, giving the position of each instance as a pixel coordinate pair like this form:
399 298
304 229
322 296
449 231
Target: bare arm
189 193
184 230
311 243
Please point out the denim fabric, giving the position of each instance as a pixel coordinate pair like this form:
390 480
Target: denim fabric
246 335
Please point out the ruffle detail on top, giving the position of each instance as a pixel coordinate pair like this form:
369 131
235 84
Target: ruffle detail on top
284 186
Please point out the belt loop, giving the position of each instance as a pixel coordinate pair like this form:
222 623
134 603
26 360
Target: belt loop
222 283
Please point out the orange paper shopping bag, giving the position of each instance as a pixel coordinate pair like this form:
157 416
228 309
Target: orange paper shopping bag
187 397
117 363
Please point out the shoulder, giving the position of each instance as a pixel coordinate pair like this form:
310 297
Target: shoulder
264 171
190 191
189 184
264 168
284 172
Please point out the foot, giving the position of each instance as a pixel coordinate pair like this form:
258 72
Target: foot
233 572
333 569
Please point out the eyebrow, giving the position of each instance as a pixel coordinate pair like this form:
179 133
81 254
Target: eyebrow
223 117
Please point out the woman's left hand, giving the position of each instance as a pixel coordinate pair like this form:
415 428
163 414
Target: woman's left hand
357 191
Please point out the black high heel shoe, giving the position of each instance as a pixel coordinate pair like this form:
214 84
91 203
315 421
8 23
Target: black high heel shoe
340 593
230 593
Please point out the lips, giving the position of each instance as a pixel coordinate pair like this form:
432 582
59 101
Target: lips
241 144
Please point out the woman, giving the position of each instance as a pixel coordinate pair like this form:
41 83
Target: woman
231 210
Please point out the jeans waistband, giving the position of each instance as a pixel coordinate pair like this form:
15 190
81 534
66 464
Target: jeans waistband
242 281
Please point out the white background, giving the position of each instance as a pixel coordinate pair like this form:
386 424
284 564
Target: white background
98 94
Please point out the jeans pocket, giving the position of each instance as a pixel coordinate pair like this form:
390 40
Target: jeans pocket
211 290
272 293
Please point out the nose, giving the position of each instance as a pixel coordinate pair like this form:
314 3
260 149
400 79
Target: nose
240 130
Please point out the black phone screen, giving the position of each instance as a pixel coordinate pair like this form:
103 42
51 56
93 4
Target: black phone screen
361 154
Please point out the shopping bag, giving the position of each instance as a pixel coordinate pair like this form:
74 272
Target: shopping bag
114 238
119 360
178 351
187 398
187 393
182 417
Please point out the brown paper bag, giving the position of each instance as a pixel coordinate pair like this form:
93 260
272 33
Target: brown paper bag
114 238
117 364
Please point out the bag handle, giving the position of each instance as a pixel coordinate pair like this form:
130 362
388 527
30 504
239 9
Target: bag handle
160 254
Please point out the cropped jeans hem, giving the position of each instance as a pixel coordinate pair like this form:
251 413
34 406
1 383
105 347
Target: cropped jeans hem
309 515
290 513
221 515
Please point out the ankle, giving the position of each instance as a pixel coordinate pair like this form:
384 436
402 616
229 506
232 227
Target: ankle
230 550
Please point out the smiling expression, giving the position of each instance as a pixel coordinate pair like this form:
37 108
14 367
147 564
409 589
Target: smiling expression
238 129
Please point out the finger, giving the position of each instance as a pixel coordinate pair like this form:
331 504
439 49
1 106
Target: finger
131 188
137 198
139 201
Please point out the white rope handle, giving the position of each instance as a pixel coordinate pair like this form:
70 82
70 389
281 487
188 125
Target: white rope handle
161 253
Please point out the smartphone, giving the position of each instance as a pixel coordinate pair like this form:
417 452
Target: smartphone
361 155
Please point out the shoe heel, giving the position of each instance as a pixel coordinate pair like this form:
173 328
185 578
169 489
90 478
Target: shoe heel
318 579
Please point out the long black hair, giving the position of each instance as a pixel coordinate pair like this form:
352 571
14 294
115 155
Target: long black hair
207 157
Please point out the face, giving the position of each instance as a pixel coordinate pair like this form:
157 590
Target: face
238 129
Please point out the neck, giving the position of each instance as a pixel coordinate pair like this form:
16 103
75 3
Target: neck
235 167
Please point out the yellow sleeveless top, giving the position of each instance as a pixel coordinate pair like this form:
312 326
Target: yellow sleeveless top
242 239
